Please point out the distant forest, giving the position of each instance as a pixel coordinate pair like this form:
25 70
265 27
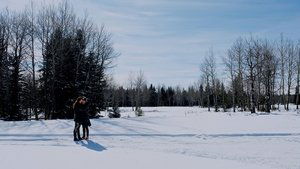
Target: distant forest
49 56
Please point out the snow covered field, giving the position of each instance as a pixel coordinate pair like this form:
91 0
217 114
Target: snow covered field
165 138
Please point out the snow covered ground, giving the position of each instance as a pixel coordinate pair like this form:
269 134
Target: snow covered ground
165 138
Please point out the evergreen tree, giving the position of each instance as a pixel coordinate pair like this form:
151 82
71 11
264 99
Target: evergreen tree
153 96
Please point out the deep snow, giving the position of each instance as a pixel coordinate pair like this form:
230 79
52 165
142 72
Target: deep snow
165 138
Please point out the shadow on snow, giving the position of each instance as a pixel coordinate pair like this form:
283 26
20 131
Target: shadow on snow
89 144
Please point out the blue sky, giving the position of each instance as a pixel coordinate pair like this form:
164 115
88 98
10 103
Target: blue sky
167 39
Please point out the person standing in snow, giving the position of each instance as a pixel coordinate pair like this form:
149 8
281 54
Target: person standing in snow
81 117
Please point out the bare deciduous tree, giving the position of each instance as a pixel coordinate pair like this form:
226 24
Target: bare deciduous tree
18 44
298 75
290 70
139 83
204 68
230 64
282 48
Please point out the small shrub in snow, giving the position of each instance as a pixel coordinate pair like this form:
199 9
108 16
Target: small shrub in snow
139 112
114 113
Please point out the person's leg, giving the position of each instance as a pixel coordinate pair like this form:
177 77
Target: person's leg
76 132
80 138
85 132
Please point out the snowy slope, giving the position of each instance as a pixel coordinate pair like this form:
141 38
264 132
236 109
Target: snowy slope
165 137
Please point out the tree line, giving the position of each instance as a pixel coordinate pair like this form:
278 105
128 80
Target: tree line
48 57
139 94
259 75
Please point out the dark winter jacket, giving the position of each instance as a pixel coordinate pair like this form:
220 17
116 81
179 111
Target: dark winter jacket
81 114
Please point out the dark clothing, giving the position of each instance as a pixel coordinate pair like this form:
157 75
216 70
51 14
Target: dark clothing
76 132
81 115
85 131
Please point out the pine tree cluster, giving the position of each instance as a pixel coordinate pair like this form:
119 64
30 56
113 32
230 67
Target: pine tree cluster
47 59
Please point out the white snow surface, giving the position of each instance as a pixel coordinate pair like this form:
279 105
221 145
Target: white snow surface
165 138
